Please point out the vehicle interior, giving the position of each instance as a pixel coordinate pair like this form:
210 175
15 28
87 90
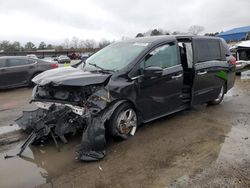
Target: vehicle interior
244 54
186 54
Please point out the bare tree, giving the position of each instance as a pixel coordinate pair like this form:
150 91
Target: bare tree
81 44
74 42
195 29
103 43
90 44
66 44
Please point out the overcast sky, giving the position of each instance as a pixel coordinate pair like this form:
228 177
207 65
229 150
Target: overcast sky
54 20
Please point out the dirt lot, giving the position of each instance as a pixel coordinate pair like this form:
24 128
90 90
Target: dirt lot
207 146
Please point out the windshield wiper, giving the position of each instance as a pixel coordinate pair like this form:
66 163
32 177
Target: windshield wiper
101 68
97 66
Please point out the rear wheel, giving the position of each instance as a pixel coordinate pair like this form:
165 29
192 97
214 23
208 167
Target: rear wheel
220 97
123 123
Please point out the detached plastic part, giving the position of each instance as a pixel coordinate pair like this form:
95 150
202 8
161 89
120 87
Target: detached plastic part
93 143
29 119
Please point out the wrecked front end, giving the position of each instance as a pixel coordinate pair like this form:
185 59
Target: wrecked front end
64 110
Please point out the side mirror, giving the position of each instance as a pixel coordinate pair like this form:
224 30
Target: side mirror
153 71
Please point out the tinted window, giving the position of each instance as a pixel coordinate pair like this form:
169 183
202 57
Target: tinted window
2 63
17 62
163 56
207 50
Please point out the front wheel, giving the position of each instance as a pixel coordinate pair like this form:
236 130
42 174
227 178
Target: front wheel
123 123
220 97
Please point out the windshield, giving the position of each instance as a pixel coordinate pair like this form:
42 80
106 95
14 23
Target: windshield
115 56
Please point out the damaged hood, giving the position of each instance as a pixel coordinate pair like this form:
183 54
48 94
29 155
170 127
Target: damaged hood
70 76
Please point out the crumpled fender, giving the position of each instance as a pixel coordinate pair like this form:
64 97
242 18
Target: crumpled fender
93 139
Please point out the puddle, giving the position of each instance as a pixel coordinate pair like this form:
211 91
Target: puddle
7 129
38 164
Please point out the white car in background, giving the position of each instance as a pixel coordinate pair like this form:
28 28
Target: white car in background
33 56
49 59
62 59
242 56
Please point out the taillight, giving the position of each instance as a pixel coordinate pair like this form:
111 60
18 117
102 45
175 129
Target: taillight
233 61
53 65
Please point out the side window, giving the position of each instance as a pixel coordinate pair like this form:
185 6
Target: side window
17 62
225 48
2 63
208 50
163 56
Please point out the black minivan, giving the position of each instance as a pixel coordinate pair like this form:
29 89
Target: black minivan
128 83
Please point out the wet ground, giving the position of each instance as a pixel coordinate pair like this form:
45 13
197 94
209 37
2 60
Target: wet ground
208 146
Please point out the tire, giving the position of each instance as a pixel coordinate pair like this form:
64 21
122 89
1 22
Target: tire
220 97
123 122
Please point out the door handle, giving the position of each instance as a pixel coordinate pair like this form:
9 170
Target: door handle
202 72
177 76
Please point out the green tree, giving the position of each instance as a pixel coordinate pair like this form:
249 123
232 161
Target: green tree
211 34
49 46
5 45
156 32
42 46
29 46
16 46
139 35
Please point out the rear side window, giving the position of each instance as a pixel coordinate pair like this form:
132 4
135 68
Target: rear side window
163 56
17 62
207 50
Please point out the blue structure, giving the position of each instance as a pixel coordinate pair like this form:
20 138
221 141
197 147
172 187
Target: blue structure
236 34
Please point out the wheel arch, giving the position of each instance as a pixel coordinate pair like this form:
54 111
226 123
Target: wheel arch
138 113
32 76
226 87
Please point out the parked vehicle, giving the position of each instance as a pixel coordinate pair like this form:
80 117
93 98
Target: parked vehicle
128 83
243 56
49 59
32 56
62 59
18 71
74 56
